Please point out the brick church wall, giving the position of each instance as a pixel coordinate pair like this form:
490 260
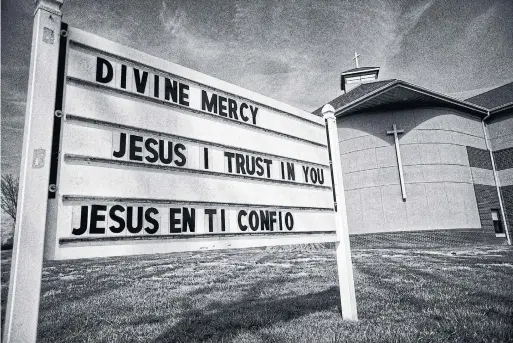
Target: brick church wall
500 133
484 186
487 200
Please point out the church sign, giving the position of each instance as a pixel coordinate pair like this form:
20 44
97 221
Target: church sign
125 153
155 157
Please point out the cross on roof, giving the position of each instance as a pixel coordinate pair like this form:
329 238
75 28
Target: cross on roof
356 59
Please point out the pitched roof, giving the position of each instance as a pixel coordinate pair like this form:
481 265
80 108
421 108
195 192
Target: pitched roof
354 94
494 98
382 94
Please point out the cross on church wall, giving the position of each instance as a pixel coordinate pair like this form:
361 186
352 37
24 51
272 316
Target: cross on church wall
396 132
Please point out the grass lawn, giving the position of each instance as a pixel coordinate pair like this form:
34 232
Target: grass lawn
289 294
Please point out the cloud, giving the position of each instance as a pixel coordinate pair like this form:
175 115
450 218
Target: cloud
403 23
292 51
410 18
171 20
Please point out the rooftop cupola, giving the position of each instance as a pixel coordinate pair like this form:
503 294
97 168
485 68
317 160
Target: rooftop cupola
354 77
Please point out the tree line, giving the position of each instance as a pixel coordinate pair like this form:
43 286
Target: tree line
9 204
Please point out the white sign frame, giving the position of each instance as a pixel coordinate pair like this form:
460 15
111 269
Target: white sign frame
37 225
57 248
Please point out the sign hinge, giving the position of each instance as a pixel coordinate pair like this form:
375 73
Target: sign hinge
57 122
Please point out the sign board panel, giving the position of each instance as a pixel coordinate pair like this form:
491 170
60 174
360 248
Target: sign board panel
154 157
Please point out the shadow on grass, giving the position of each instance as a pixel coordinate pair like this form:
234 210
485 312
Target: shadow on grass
226 320
393 293
460 293
473 292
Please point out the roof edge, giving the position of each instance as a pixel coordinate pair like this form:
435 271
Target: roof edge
360 71
397 83
501 108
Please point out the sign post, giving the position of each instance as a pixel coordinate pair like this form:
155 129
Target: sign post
344 264
27 256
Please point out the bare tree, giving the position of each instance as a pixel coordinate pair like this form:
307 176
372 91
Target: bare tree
10 186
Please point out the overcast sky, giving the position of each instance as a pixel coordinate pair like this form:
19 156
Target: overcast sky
292 51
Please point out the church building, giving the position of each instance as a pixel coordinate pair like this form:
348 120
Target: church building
415 159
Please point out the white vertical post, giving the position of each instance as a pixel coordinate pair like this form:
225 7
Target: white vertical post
27 257
344 264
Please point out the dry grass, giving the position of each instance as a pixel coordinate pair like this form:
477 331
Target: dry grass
279 295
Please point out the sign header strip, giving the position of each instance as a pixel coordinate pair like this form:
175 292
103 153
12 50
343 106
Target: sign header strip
87 41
